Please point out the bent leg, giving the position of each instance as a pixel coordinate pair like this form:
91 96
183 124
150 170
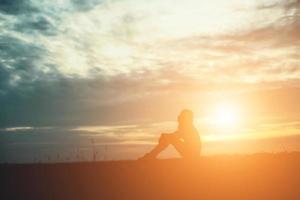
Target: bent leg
164 141
189 151
186 151
180 147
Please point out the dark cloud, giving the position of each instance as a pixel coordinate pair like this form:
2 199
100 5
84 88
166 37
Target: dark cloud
292 4
29 18
34 17
121 99
71 101
36 24
16 7
22 85
20 7
286 4
20 61
85 5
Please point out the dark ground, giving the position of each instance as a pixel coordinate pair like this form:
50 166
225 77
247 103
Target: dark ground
251 177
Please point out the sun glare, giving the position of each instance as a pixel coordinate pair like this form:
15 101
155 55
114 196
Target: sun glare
224 116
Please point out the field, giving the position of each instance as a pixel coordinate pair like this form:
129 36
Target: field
244 177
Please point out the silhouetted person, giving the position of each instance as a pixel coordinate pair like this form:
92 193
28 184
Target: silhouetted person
186 139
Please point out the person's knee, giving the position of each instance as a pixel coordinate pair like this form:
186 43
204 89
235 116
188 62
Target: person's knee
164 138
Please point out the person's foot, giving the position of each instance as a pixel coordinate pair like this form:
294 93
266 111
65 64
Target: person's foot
147 156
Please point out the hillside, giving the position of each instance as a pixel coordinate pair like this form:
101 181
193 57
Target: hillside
243 177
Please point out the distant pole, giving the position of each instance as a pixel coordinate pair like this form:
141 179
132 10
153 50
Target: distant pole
105 152
78 156
94 150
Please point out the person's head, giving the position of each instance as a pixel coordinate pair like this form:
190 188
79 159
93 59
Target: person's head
185 117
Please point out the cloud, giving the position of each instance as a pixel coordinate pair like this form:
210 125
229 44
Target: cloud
290 4
83 5
114 38
40 23
148 95
68 62
71 101
16 6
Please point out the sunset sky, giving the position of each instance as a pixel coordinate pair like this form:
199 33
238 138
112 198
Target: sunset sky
118 72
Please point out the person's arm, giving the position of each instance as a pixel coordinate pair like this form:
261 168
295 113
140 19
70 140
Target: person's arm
178 135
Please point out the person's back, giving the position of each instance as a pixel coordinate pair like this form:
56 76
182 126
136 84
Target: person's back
188 133
186 139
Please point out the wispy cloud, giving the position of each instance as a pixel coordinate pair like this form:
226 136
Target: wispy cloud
117 37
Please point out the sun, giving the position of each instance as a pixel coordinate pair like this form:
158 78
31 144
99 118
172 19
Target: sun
224 116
